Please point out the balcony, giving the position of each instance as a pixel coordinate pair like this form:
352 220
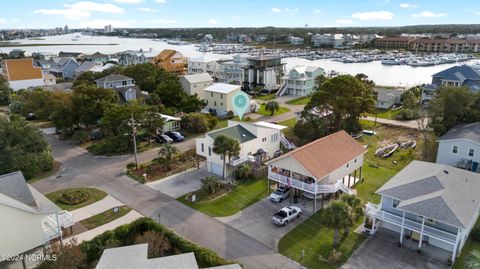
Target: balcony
373 210
50 228
238 161
309 187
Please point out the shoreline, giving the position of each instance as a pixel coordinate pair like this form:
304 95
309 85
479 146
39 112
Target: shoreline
12 45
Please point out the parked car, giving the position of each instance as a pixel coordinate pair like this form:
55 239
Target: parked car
163 139
280 194
176 136
286 214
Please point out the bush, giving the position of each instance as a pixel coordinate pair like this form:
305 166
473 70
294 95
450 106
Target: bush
230 115
195 123
407 114
212 121
476 234
73 197
131 166
80 137
244 171
111 146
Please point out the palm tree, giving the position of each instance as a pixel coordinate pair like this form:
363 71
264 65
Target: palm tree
272 106
226 147
336 217
167 151
355 209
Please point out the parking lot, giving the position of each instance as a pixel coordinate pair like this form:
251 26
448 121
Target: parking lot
256 220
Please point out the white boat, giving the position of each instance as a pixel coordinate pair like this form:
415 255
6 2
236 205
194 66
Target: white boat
392 62
387 151
411 144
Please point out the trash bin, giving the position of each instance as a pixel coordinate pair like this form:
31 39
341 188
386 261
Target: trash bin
295 199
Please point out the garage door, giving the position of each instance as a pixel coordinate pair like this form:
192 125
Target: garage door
215 168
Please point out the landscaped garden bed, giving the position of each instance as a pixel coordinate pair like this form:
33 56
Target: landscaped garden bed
71 199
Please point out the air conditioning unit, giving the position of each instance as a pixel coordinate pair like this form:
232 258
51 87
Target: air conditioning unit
251 158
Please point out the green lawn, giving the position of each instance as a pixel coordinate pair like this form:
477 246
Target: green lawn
299 101
386 114
289 134
290 123
95 195
243 195
263 112
316 241
470 247
104 217
267 97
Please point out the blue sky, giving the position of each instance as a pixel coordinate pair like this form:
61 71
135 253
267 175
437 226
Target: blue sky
232 13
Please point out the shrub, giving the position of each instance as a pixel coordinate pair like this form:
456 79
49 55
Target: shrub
244 171
111 146
195 123
476 234
407 114
74 197
131 165
229 115
212 121
80 136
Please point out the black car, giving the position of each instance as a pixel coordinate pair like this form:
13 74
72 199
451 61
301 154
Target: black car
176 136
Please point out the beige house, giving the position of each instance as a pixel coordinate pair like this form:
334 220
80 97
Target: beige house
196 84
29 219
219 98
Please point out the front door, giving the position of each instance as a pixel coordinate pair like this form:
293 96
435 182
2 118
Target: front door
475 167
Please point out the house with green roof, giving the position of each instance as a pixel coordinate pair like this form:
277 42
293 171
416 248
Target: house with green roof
259 142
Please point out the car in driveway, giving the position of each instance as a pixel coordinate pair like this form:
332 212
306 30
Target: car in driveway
280 194
163 139
286 214
176 136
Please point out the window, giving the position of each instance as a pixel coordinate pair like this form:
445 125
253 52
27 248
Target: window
427 220
471 152
274 137
455 149
221 104
221 96
209 151
215 103
348 165
202 147
211 94
395 203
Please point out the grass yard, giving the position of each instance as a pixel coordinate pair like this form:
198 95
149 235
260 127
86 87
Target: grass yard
267 97
299 101
95 195
243 195
290 123
289 134
386 114
317 242
471 247
263 112
104 217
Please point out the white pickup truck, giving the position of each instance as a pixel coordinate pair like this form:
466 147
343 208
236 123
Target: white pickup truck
286 215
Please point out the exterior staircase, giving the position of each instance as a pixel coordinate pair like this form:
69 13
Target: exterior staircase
287 144
282 90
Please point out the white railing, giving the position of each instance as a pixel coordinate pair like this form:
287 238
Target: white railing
66 219
238 161
287 144
282 89
375 211
50 228
312 187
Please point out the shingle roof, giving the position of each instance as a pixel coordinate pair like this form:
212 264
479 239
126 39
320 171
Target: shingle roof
463 131
222 88
237 132
388 94
112 78
436 191
15 191
196 78
325 155
461 72
85 66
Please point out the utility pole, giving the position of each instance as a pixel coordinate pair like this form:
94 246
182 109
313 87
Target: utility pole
133 124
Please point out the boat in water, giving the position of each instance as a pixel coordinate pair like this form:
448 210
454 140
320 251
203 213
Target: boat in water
392 62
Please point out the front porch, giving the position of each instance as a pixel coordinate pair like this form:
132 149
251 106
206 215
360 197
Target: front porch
419 231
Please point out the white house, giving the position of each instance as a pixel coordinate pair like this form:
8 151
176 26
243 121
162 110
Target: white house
259 142
219 98
386 98
136 256
196 84
29 219
300 80
429 203
460 147
321 167
203 64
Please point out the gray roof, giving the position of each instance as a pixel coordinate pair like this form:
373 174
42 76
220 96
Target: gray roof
388 94
436 191
463 131
459 73
15 191
237 132
113 78
196 78
85 66
135 257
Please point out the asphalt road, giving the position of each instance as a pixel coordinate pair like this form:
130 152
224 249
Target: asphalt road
81 169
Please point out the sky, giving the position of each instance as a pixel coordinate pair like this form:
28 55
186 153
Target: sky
234 13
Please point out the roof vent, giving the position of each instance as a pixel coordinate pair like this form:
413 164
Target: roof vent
445 171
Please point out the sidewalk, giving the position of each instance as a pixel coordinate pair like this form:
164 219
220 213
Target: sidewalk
96 208
88 235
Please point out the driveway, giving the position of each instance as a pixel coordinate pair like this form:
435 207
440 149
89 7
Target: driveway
180 184
381 251
256 220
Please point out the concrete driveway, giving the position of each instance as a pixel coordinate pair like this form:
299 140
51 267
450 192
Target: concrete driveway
180 184
256 220
381 251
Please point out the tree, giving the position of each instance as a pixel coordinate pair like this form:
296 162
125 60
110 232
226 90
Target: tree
195 123
144 75
5 92
347 98
23 147
311 127
210 185
319 80
167 152
336 217
272 106
90 102
227 147
355 209
158 243
451 106
66 256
